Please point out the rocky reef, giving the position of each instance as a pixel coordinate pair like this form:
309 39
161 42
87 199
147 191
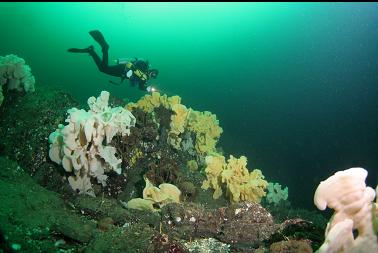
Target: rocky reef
147 176
41 211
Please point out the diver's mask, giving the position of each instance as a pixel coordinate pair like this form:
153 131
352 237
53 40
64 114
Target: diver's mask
153 73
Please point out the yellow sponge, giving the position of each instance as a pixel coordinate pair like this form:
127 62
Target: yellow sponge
152 196
215 165
241 184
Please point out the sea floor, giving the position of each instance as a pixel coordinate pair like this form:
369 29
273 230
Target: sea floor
40 213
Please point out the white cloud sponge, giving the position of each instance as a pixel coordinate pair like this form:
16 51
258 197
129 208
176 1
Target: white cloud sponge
79 146
347 194
276 193
15 74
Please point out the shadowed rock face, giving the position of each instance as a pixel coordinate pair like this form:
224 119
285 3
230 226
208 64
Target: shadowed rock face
36 218
25 123
26 120
243 223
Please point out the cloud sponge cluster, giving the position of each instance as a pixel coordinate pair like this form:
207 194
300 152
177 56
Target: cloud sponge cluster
15 74
347 193
82 146
276 193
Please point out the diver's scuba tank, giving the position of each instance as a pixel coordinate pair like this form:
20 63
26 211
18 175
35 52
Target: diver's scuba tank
129 66
131 69
122 60
142 76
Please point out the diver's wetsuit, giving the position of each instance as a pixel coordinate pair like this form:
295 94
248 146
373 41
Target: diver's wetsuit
118 70
103 65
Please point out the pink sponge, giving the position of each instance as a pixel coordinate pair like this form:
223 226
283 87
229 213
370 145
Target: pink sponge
347 194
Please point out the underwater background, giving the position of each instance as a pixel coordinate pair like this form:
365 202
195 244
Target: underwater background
294 85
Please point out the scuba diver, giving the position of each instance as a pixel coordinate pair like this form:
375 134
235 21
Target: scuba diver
136 70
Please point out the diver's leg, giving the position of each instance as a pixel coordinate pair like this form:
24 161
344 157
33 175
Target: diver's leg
100 64
105 56
97 60
115 70
90 50
97 36
80 50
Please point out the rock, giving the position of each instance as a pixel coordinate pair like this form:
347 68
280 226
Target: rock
291 246
75 228
105 224
244 223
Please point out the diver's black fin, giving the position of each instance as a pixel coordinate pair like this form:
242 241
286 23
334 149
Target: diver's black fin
97 36
81 50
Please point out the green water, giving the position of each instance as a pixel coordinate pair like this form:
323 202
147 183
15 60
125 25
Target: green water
294 85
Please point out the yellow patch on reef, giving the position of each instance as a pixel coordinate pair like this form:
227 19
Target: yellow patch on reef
178 123
206 127
166 193
141 204
178 119
215 166
149 102
174 100
241 184
204 124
